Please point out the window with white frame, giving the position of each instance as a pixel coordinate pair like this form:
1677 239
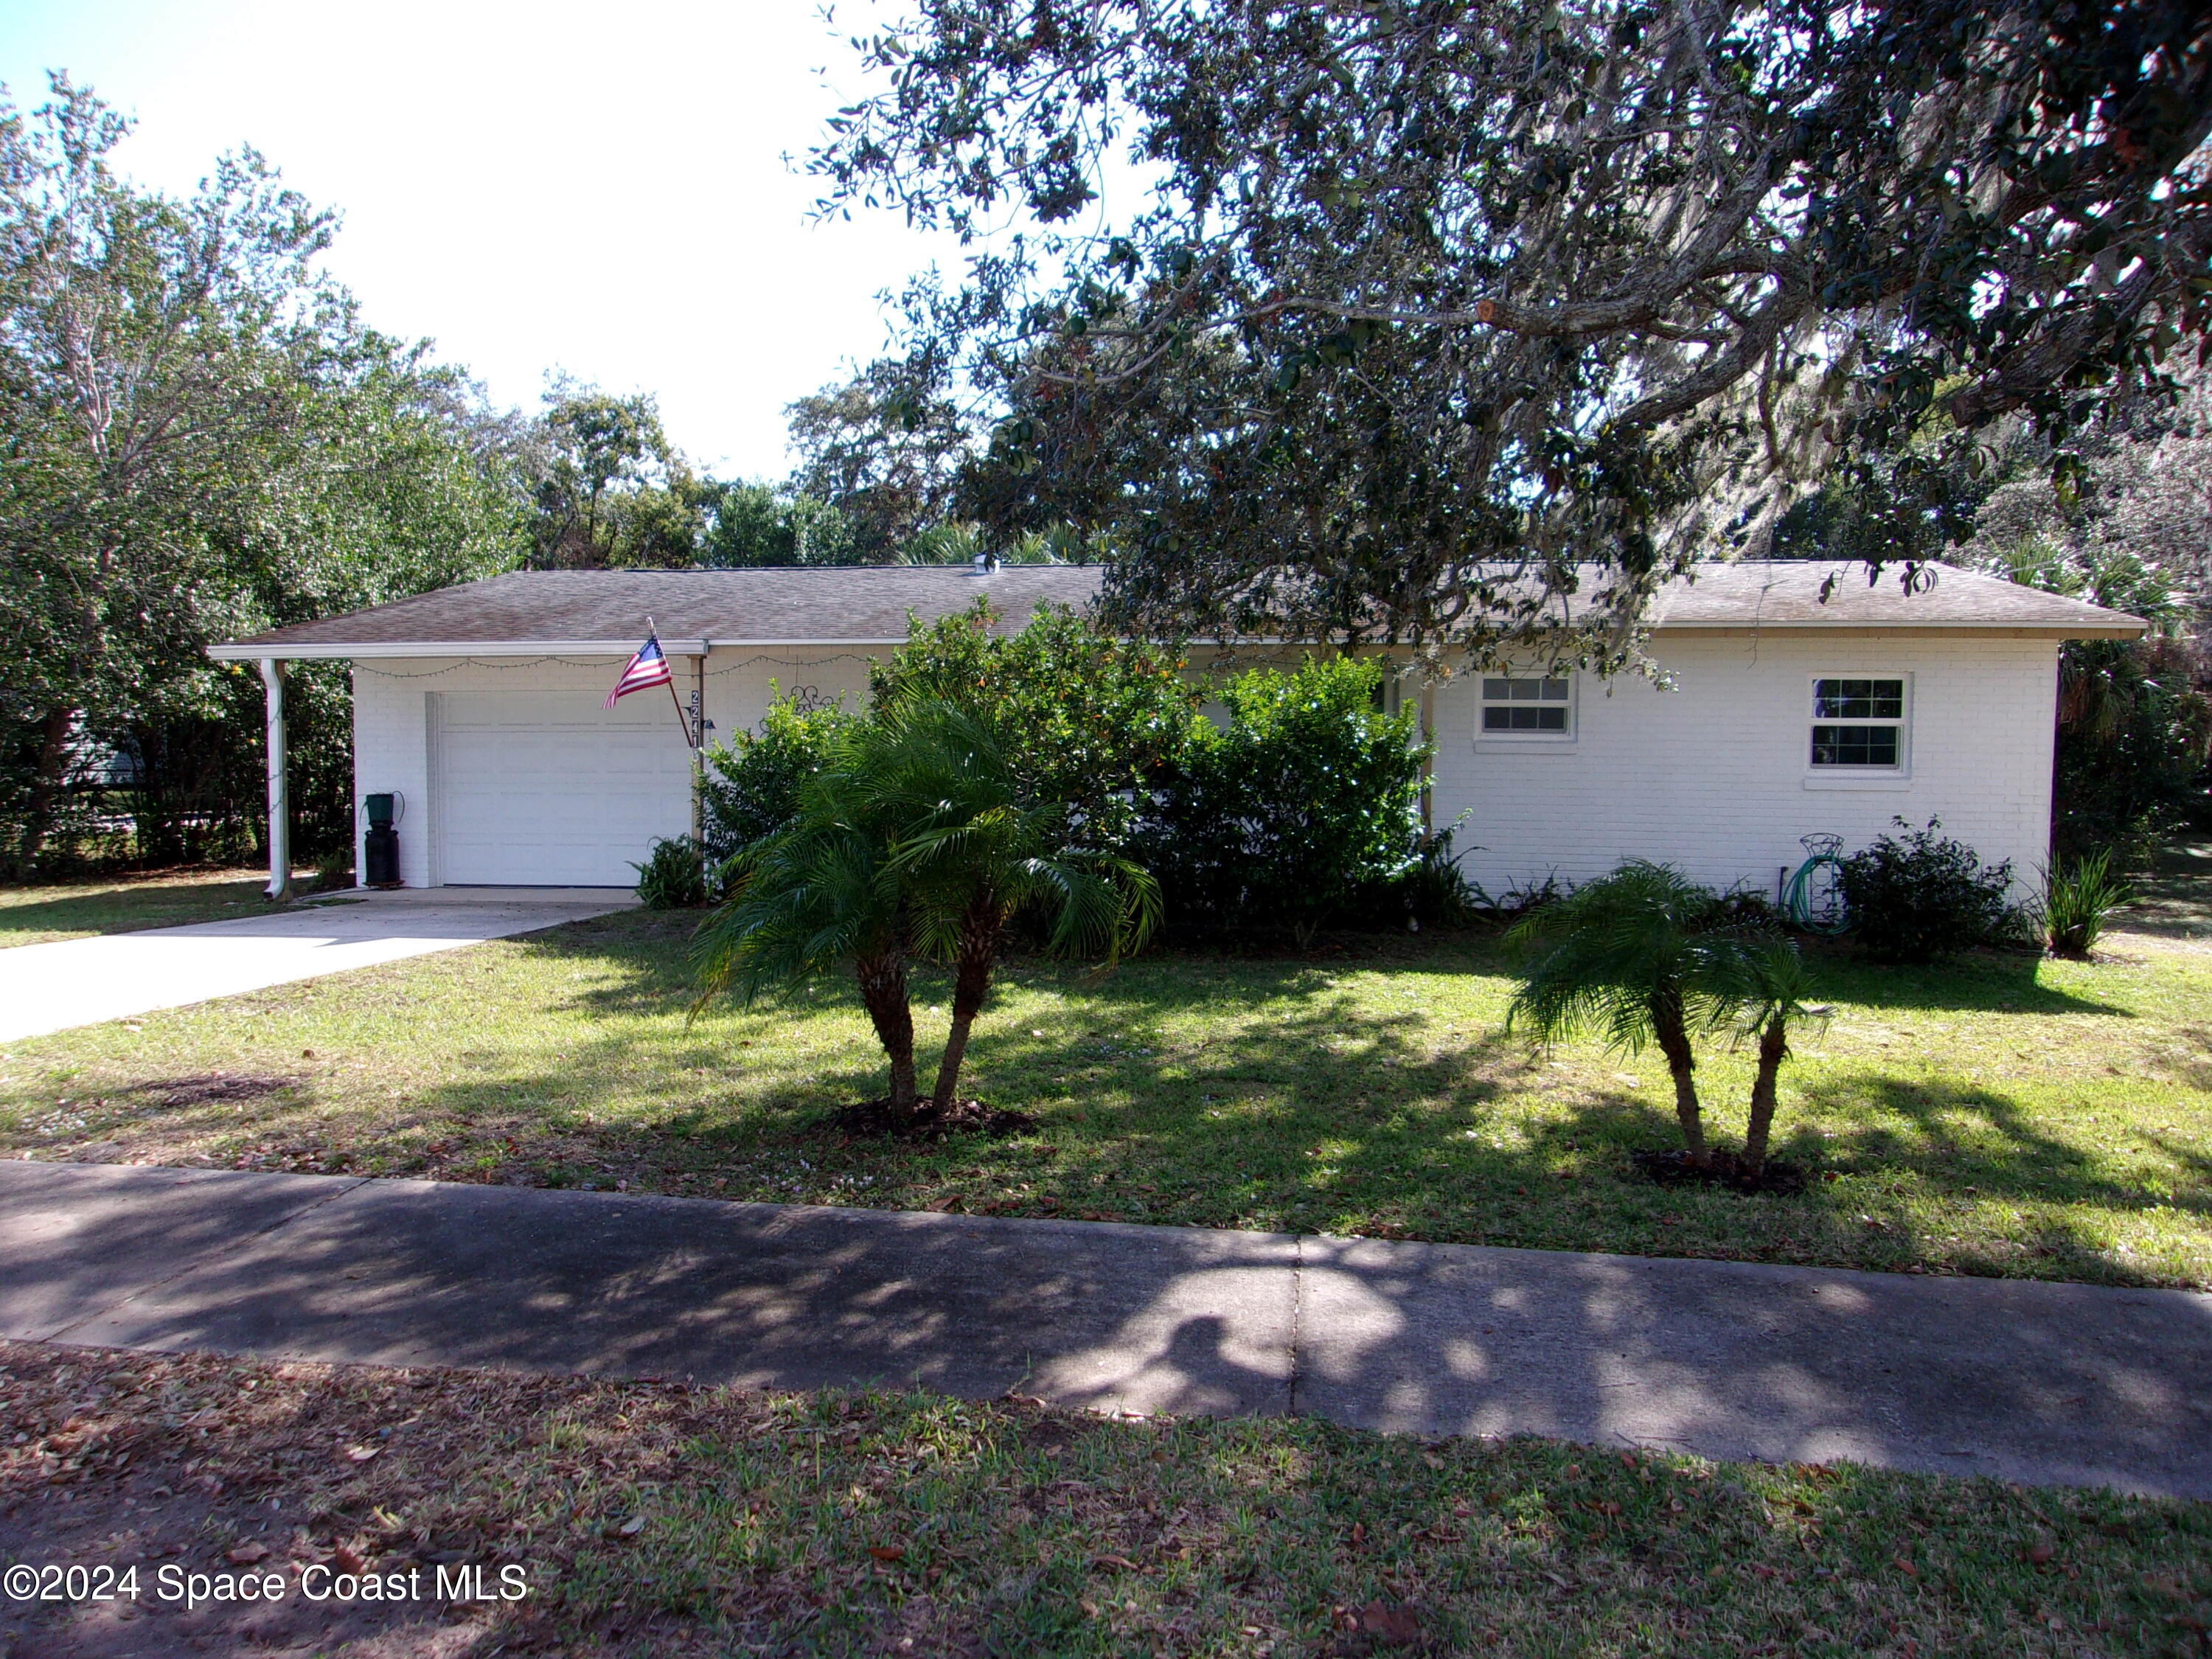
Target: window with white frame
1859 722
1528 707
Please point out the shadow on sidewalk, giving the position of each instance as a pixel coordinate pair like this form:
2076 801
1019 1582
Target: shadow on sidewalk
2031 1382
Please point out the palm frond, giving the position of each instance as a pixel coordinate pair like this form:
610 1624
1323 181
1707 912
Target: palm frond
1597 958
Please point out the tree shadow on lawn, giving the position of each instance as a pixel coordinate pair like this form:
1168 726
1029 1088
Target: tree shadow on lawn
1244 1094
122 906
1121 1087
1979 981
1965 1143
2003 1153
654 947
2191 1069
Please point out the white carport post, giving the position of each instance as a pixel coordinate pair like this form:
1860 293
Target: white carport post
280 815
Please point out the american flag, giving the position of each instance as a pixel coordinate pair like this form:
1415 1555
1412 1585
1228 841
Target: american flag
647 669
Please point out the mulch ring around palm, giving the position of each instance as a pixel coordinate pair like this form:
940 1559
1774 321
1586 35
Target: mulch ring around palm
1673 1169
214 1085
874 1119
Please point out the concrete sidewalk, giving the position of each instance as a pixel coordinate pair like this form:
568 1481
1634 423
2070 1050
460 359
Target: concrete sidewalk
81 981
2054 1383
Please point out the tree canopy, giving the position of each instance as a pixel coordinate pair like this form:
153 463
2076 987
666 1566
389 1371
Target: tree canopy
202 439
884 449
1434 301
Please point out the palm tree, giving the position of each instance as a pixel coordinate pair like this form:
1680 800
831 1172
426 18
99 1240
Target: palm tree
970 853
1641 956
1772 986
805 902
913 842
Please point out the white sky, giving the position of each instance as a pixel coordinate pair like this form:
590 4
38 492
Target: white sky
598 188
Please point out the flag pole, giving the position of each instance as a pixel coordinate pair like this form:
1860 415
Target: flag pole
676 703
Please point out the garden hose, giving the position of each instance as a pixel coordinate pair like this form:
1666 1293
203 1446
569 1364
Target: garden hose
1814 898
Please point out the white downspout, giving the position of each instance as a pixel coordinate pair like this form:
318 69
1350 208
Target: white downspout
280 815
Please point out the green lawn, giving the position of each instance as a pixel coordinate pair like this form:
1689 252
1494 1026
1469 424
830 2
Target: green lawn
41 914
2002 1115
658 1520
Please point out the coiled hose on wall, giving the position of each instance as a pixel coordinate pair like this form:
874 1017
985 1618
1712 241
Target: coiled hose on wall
1812 898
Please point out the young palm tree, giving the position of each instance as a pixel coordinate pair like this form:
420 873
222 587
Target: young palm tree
1772 986
970 853
807 901
913 842
1640 956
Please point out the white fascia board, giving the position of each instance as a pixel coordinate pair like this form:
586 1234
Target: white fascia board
2127 629
320 652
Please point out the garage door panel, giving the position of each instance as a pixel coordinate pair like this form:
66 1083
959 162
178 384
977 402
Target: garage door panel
548 788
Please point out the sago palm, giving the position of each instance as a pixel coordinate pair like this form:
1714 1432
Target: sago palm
811 900
1638 957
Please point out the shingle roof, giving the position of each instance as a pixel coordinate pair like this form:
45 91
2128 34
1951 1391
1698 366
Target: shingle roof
1786 593
605 611
585 610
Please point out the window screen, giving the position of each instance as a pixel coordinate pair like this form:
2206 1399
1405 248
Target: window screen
1510 704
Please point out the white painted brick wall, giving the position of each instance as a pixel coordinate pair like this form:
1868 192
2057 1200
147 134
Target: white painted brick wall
1712 776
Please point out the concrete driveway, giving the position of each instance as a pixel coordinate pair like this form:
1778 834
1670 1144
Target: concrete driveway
83 981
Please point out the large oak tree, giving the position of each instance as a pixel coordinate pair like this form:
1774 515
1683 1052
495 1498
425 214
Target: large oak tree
1433 301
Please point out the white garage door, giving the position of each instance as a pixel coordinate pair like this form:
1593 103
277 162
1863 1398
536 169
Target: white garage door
546 788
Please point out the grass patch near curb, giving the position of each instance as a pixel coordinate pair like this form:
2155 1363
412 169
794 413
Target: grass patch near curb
2001 1116
41 915
657 1519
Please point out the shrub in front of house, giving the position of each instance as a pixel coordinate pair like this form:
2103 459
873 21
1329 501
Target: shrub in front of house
1920 895
1432 890
672 877
1299 810
1087 719
751 784
2079 897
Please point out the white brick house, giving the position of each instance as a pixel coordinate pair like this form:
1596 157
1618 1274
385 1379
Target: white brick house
1780 715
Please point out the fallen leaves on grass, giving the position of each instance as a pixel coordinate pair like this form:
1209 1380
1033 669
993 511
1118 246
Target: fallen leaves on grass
213 1086
775 1520
1381 1623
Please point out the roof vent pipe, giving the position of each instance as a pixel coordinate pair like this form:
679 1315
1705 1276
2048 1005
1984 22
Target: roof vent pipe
986 563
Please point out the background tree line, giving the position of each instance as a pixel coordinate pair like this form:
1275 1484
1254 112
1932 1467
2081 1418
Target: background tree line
202 437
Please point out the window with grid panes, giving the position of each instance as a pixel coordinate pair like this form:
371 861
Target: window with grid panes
1531 706
1858 722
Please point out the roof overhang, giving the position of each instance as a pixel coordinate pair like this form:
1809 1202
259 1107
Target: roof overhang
247 651
2127 629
